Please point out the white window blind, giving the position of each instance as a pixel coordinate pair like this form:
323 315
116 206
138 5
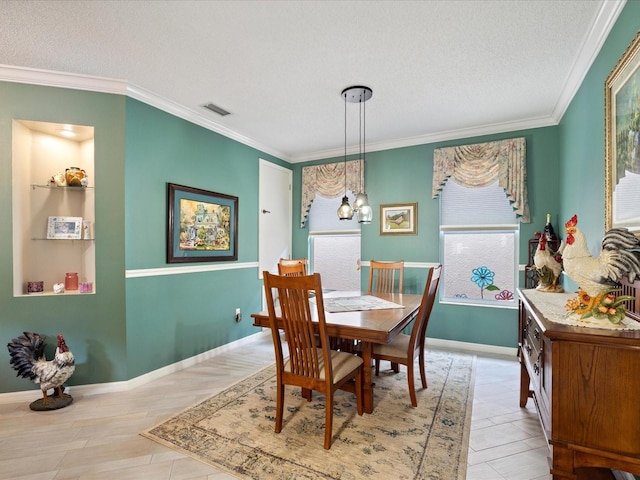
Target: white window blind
479 239
323 216
461 205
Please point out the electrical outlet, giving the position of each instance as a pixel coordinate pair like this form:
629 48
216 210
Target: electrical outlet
238 315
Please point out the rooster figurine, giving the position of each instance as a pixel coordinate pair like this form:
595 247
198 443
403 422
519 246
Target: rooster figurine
548 266
620 257
27 358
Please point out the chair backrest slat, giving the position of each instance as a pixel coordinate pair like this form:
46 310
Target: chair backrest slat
382 276
419 330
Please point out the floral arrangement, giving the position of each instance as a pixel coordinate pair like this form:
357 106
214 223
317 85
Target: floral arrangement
604 305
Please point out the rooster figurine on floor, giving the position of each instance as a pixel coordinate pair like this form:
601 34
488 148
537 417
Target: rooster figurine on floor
28 359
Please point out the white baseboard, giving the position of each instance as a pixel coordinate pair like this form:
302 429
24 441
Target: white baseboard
471 347
111 387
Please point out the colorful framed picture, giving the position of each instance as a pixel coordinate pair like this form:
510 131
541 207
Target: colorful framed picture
622 141
399 219
64 228
202 225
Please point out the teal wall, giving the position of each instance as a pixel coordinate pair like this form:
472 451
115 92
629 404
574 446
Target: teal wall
173 317
94 326
582 149
405 175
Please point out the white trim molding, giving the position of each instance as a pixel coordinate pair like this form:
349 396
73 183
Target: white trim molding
183 269
112 387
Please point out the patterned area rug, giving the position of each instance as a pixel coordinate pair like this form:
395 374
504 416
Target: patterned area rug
233 431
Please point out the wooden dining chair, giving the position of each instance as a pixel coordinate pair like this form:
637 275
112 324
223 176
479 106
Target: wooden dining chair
295 261
308 366
382 276
403 349
292 269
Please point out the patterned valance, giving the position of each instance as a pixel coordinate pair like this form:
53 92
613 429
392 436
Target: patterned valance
481 164
328 181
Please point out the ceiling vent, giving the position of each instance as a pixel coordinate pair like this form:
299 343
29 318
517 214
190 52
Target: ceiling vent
216 109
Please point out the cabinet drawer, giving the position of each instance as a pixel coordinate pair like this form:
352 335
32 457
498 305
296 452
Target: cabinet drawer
532 349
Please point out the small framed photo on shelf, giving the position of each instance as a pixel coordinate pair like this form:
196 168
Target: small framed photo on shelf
399 219
64 228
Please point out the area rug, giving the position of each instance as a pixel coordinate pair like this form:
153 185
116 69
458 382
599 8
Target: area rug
233 430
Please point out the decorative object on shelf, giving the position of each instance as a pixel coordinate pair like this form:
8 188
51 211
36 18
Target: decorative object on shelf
399 219
59 179
595 277
86 229
35 287
86 287
28 359
75 177
203 225
622 140
359 95
58 288
71 281
64 228
547 260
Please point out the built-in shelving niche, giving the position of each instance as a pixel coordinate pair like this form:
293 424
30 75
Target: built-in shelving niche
39 151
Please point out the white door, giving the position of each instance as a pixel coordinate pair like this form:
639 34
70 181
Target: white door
275 213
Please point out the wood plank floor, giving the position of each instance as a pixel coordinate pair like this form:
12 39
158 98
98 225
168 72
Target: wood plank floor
97 437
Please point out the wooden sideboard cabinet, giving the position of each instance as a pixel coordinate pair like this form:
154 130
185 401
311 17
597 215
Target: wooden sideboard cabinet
585 384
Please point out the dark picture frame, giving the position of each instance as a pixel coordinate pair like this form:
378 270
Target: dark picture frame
202 225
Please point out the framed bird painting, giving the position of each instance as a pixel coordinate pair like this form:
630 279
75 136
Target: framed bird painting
399 219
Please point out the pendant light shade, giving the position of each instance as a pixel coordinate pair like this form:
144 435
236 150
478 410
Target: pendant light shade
359 95
365 214
345 212
361 199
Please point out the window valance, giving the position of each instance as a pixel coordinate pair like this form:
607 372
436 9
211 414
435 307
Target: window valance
481 164
328 181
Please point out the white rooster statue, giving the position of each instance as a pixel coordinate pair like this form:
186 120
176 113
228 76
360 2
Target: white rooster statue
28 359
620 257
598 277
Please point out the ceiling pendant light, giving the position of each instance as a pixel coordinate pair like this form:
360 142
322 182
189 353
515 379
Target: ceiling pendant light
358 94
345 212
365 212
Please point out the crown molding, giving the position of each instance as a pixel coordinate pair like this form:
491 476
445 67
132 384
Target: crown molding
48 78
595 38
74 81
492 129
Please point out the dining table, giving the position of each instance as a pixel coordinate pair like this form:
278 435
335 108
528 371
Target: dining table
372 325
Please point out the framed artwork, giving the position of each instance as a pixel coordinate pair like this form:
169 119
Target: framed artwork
622 141
64 228
202 225
399 219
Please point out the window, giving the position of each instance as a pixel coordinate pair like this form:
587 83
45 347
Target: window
334 244
479 239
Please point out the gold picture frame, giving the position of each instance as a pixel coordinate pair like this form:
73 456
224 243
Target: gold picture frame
622 141
399 219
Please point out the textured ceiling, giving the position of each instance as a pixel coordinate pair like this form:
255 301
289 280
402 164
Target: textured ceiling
438 69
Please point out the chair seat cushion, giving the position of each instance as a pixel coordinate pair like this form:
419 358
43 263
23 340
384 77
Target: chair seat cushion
342 364
397 348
